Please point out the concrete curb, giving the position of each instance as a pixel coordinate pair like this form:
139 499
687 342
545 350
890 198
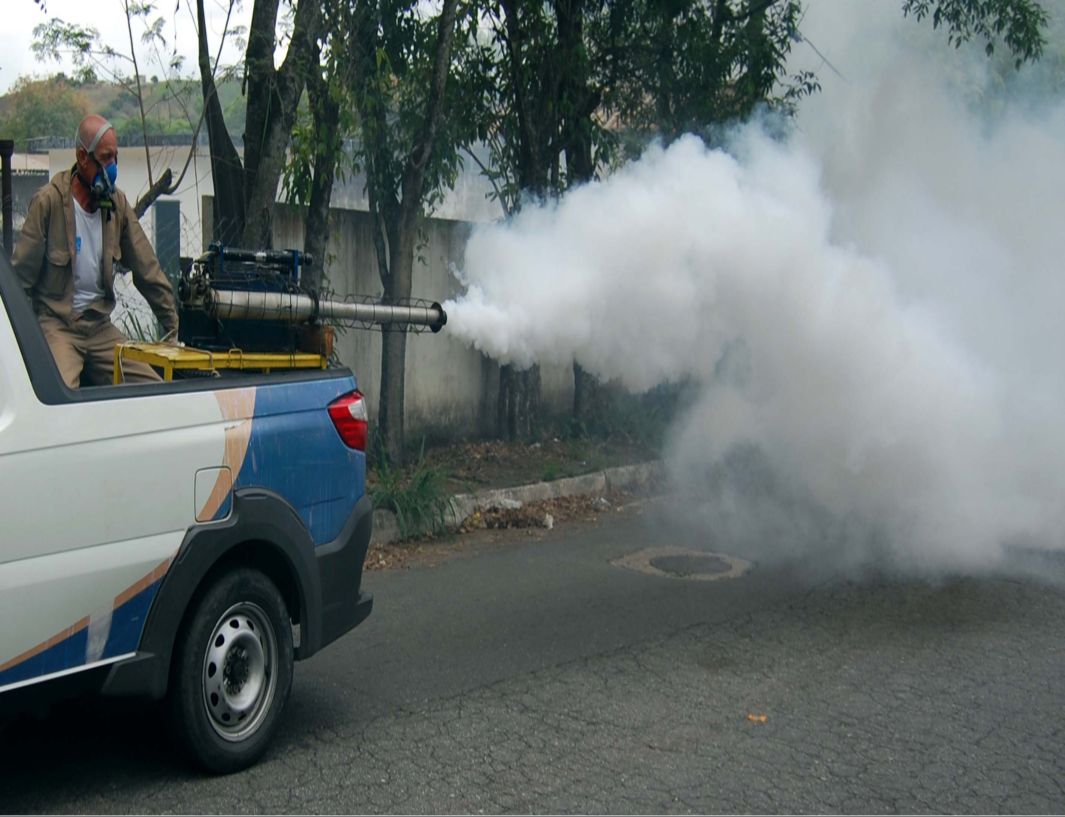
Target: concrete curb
386 528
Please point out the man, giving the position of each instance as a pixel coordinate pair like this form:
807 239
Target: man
78 226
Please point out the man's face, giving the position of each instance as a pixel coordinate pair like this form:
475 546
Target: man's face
106 153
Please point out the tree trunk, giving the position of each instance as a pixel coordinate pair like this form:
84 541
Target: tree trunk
519 403
391 407
402 220
587 396
392 411
273 96
226 170
326 112
536 104
579 103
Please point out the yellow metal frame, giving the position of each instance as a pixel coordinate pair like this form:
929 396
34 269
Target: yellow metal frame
171 358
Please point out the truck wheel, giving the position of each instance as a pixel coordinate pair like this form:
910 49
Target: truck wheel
232 671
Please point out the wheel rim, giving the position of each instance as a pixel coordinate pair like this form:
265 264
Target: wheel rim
239 671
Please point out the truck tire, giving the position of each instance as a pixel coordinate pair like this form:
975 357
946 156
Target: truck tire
232 671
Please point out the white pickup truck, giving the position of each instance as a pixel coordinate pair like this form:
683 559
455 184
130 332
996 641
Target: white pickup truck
186 540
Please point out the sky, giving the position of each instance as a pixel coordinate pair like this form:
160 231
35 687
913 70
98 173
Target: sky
108 17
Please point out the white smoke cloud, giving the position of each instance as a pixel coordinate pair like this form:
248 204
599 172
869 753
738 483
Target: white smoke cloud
872 308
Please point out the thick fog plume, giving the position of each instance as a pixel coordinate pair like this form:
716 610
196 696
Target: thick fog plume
872 309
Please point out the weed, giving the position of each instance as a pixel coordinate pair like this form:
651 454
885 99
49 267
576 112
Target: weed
416 495
134 317
136 327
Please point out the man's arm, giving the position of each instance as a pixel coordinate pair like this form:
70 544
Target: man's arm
148 276
28 254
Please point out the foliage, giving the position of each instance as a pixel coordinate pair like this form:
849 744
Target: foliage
297 178
47 107
388 52
416 494
1017 23
681 66
94 58
137 326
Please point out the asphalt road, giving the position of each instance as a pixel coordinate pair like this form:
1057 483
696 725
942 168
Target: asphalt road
535 675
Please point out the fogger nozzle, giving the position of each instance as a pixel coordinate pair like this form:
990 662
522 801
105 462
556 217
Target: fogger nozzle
299 308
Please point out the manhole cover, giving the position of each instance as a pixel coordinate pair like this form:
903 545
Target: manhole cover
683 563
686 564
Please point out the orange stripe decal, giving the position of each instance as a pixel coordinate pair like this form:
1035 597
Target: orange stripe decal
143 583
236 404
138 586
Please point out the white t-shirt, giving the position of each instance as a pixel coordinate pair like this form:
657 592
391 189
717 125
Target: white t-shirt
89 253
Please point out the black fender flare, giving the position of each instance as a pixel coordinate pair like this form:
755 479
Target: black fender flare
262 524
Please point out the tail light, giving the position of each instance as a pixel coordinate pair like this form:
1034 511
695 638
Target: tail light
348 413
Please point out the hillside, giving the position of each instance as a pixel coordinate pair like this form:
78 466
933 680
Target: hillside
52 107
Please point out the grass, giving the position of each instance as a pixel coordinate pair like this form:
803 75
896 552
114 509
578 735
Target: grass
551 472
417 495
136 327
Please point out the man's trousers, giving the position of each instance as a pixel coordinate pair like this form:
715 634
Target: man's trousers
88 348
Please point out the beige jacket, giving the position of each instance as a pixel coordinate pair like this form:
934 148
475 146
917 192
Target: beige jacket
45 249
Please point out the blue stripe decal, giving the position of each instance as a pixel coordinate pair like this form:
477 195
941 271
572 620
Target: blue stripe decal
66 654
127 623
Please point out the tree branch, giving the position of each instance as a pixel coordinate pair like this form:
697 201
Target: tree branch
140 95
414 173
160 187
225 162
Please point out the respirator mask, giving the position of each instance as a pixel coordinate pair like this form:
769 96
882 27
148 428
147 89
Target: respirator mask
103 183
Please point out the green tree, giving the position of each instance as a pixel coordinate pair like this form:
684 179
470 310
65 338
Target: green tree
563 69
401 73
524 127
1019 25
45 107
399 80
684 66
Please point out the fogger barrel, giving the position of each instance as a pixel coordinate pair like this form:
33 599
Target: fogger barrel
301 308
